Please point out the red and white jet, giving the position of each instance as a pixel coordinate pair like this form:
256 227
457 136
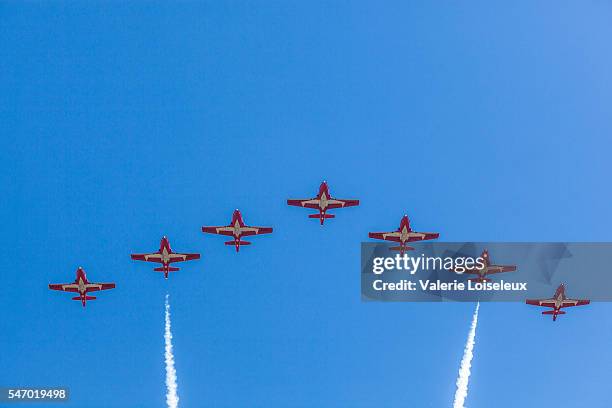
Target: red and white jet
165 256
403 235
81 286
237 229
557 302
323 202
487 269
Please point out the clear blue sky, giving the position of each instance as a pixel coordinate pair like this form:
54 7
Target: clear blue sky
122 123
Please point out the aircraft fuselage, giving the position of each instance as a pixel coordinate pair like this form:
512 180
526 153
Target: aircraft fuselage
165 255
237 229
323 201
82 286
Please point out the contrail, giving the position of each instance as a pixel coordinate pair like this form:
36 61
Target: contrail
172 398
466 364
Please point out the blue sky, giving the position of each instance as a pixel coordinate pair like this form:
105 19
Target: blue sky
125 122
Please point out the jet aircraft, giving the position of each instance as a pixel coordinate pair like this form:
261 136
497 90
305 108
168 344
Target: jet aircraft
81 286
165 256
487 269
322 202
403 235
237 229
557 302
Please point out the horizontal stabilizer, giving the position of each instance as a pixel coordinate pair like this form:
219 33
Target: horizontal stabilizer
240 242
479 280
321 216
550 312
86 298
170 269
401 248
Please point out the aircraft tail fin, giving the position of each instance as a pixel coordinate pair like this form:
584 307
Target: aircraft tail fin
552 312
86 298
321 216
237 244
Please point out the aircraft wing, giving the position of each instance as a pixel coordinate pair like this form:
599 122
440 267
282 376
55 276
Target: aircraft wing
338 203
395 236
467 271
65 287
152 257
500 268
387 236
575 302
421 236
541 302
221 230
307 202
94 287
176 257
246 230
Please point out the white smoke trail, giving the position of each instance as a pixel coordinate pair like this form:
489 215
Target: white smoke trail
172 398
466 364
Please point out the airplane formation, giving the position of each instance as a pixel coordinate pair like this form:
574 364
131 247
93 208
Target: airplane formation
322 202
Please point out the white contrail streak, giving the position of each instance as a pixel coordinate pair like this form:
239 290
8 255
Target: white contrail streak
466 364
172 398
